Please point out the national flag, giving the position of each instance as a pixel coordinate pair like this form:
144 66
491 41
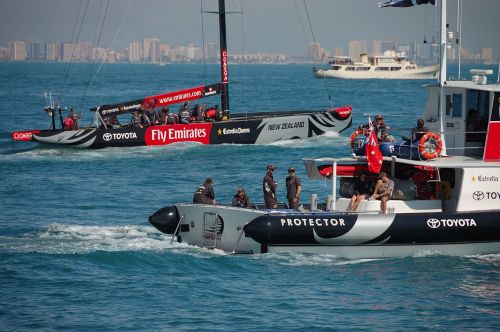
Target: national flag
405 3
373 154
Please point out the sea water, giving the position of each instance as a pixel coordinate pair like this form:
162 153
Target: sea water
77 252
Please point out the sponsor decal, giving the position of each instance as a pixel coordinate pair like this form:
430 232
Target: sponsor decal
118 136
160 135
482 178
224 67
24 135
234 131
211 91
450 223
179 97
121 108
480 195
288 125
318 222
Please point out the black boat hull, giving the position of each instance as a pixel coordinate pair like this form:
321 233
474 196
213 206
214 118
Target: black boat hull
255 129
375 229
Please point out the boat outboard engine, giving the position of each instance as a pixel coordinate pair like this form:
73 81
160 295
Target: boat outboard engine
165 219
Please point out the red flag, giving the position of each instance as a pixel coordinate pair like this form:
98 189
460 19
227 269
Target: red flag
373 154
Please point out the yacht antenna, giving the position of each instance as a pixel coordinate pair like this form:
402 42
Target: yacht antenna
442 72
459 35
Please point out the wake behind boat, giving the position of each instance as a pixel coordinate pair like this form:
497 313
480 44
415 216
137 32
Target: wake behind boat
207 126
443 202
391 65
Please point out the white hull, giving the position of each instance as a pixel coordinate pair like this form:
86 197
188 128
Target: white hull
422 73
368 235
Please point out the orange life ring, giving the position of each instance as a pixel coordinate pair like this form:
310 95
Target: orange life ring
354 135
430 146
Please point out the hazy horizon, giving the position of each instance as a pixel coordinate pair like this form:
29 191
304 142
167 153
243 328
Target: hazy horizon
274 26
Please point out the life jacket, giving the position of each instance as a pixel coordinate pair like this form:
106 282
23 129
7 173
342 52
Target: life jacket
68 123
210 113
185 115
171 118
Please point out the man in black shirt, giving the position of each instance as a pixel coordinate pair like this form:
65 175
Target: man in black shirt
363 189
269 188
293 189
205 193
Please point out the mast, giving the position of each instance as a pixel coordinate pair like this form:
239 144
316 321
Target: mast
223 57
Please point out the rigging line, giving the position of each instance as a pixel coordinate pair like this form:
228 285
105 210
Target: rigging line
93 55
300 20
73 52
114 39
203 43
66 70
244 85
425 24
317 51
92 58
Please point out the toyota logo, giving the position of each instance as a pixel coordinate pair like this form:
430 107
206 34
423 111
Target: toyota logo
433 223
107 137
478 195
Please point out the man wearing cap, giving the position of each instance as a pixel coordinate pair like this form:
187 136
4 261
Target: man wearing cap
205 193
293 189
269 188
383 190
241 199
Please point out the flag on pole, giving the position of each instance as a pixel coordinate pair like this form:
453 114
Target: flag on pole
373 154
405 3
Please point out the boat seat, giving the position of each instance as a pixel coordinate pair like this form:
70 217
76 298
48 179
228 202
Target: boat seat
398 206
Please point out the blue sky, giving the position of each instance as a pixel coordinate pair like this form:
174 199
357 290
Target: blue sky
278 26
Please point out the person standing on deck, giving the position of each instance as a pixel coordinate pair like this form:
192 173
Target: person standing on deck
269 188
293 189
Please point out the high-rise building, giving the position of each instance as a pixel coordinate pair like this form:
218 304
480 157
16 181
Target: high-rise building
356 47
211 52
134 52
36 51
53 51
338 51
315 52
487 55
151 49
17 50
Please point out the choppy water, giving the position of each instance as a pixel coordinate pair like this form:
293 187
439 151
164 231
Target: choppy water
77 252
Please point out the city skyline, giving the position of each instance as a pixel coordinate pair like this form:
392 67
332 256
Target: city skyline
266 26
151 50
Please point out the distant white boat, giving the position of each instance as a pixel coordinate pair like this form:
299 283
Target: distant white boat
391 65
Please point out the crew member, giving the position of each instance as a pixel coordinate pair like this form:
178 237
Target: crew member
69 123
293 189
269 188
205 193
241 199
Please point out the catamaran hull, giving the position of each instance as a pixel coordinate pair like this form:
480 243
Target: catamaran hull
340 234
255 129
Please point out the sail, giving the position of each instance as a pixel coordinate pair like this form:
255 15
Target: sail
405 3
158 100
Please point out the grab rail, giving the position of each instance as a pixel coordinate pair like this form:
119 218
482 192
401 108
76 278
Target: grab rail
176 229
